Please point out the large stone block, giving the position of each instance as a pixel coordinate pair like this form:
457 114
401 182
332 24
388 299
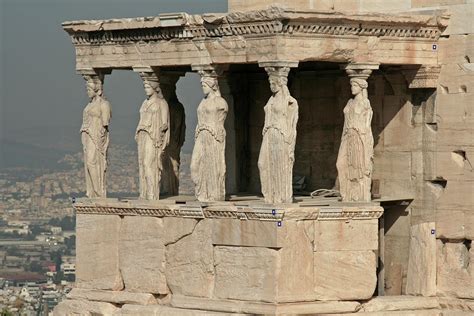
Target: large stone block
434 3
295 271
190 262
84 308
142 254
176 228
231 232
455 224
384 6
114 297
392 165
261 308
345 275
461 19
455 272
97 255
342 235
246 273
159 310
421 278
457 195
400 303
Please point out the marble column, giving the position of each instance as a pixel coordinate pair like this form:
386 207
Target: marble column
152 134
95 134
356 152
172 154
208 166
277 153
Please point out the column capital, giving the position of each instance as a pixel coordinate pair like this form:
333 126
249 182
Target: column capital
360 70
94 71
278 64
210 70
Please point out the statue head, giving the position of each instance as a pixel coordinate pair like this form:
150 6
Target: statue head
278 78
358 86
94 86
277 83
209 84
151 86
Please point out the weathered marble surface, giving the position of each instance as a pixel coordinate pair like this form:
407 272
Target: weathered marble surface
152 136
97 252
95 137
227 259
421 278
208 159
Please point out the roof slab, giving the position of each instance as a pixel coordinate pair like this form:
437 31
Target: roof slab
176 40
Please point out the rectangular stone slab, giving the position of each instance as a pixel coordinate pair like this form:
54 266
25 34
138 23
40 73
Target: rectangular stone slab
342 235
421 277
142 254
231 232
97 255
246 273
344 275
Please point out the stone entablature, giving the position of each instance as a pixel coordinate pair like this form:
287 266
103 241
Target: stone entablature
226 210
245 37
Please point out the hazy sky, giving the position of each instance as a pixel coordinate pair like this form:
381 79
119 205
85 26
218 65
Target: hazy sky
41 95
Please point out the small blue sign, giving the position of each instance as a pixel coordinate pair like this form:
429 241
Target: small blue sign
433 231
435 47
273 212
279 224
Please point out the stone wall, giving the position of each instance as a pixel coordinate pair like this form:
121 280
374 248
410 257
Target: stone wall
228 263
445 195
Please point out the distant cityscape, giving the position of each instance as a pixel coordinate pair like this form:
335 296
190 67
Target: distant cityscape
37 226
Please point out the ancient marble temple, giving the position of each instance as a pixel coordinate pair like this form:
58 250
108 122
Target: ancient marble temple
331 162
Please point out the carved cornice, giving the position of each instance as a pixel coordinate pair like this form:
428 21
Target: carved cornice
256 23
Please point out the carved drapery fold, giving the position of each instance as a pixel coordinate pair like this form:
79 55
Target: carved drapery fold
356 153
152 135
95 134
277 152
208 166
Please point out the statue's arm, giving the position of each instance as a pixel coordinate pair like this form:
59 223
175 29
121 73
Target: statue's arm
165 123
106 113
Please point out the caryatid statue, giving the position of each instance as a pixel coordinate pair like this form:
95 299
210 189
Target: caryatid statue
95 136
208 167
152 136
277 153
171 158
356 153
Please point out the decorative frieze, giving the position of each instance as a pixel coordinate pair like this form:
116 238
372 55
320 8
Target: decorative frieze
226 211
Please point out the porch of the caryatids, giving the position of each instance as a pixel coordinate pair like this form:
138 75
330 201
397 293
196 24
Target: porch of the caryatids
356 152
277 152
152 134
208 166
95 134
172 154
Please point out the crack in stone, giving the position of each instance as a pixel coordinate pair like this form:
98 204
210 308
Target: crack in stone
184 236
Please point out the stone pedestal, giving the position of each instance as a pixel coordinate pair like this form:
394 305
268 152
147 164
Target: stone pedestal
224 258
